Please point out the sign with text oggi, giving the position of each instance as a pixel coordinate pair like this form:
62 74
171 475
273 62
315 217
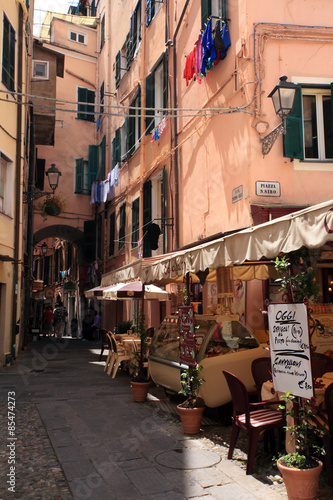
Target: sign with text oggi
186 329
290 349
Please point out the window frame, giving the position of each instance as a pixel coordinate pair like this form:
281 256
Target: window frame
87 105
47 66
153 118
8 54
102 32
6 173
77 34
81 177
133 125
216 8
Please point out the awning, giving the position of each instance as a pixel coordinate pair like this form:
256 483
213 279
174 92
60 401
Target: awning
94 292
133 290
129 272
311 227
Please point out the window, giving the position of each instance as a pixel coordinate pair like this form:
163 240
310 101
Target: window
93 164
156 94
101 98
122 226
152 8
6 183
146 217
77 37
40 70
84 110
8 54
133 126
217 8
136 28
99 235
102 31
116 148
112 233
135 222
309 127
81 176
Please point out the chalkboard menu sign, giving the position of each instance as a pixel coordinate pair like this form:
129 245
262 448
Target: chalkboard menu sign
290 349
187 346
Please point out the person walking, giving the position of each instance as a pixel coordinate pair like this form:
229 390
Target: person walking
59 320
47 321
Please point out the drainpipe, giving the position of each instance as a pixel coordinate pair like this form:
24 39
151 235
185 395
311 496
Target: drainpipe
143 127
175 124
17 178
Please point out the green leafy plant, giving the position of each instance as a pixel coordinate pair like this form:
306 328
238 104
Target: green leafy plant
308 437
140 357
123 326
191 381
51 206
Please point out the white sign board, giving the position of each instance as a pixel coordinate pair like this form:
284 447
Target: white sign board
290 349
267 188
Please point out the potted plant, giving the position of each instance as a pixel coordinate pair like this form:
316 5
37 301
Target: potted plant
140 383
301 469
191 410
51 206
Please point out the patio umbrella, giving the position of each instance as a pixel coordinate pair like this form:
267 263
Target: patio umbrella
133 290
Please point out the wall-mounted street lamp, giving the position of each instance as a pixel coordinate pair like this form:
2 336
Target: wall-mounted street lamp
283 96
53 175
44 248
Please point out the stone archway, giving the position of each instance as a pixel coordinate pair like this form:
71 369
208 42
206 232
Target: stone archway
64 232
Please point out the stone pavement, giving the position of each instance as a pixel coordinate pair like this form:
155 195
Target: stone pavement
77 433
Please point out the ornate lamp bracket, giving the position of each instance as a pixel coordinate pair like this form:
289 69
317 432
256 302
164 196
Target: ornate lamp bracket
269 140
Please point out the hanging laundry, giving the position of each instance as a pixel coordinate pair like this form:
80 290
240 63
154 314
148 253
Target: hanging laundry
198 59
105 190
98 193
208 49
93 194
115 176
98 122
217 36
189 66
225 39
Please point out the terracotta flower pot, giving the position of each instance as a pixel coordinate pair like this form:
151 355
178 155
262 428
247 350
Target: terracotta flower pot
52 210
140 391
301 484
191 419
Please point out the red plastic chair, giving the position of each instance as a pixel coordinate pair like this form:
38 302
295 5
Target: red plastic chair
254 422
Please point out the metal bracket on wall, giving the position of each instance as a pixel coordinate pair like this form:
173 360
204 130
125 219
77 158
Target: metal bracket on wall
269 140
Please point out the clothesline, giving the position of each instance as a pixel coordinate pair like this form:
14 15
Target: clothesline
210 48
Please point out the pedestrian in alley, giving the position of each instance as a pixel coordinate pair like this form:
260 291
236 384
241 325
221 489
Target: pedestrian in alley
59 320
97 325
47 321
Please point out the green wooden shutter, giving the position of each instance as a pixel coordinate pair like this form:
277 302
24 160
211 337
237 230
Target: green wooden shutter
128 50
12 58
164 208
93 153
206 11
112 233
114 161
293 139
139 111
118 60
90 107
122 226
224 9
118 146
102 171
165 80
127 134
101 98
82 96
135 222
131 130
133 32
8 55
150 11
146 217
103 31
150 102
79 175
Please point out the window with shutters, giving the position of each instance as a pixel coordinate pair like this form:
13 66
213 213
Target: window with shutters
81 176
116 147
135 222
152 8
112 233
157 94
309 127
136 20
121 64
216 8
8 54
147 217
74 36
122 226
102 31
86 101
93 164
133 123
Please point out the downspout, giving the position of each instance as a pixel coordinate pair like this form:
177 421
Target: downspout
17 178
175 129
143 125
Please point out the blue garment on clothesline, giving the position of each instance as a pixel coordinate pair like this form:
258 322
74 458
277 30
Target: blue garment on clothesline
208 49
225 39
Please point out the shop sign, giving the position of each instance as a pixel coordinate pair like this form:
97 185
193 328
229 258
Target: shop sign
290 349
237 194
186 331
266 188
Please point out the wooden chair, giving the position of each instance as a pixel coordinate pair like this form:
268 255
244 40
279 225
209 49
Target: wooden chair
111 355
150 332
119 354
254 422
261 372
104 341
